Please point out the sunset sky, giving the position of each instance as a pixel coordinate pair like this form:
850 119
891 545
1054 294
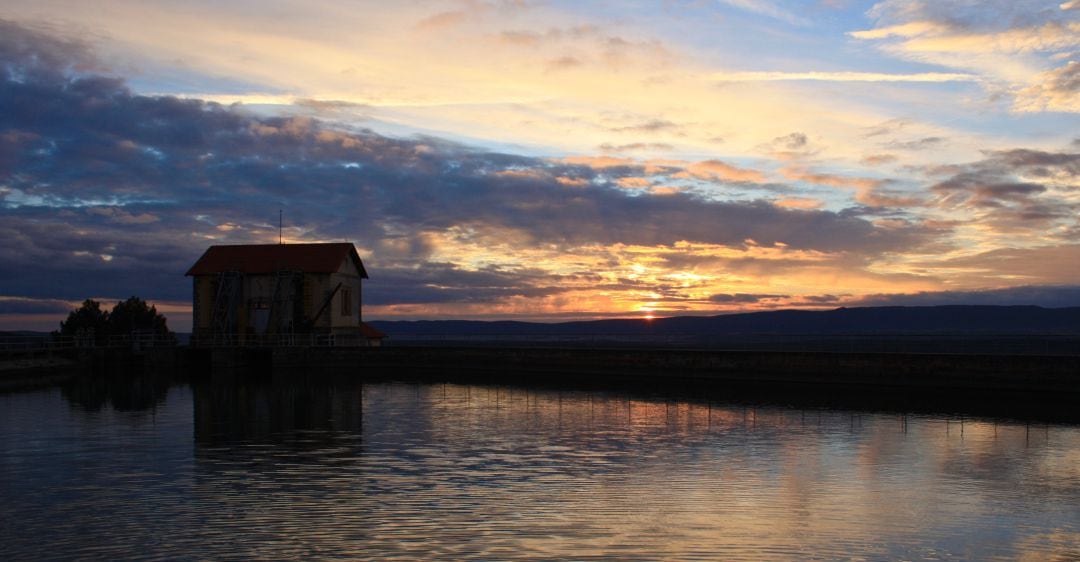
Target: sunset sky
546 160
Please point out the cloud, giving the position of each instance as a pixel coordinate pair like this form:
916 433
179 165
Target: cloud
447 283
917 144
1016 189
831 180
563 63
1054 264
879 159
1054 90
886 128
794 141
975 189
868 191
106 191
650 126
793 146
24 305
121 216
743 298
1049 296
584 44
800 203
717 170
767 8
636 146
633 183
844 77
1005 46
1037 162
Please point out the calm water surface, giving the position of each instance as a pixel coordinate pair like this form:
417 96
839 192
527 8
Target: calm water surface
136 468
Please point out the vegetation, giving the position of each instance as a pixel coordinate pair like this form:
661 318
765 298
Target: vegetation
126 318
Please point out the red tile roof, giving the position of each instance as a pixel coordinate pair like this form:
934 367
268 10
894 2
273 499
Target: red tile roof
371 332
256 259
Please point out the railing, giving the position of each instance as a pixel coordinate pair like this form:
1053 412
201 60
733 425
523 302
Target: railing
30 345
140 341
278 340
965 344
47 344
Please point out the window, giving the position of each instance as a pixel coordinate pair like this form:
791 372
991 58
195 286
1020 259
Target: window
346 301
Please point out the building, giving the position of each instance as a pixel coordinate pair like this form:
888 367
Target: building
279 294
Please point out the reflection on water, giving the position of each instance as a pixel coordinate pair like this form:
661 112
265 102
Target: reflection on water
417 471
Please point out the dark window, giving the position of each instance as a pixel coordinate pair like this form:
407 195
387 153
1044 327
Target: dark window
346 302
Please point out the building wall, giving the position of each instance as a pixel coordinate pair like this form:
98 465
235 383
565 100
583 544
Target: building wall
202 302
316 287
258 290
342 317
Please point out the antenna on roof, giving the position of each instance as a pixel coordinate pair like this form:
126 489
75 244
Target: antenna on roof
279 239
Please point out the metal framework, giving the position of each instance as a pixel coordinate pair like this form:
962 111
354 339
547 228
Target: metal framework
226 298
283 306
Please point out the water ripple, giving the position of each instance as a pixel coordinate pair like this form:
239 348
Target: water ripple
405 472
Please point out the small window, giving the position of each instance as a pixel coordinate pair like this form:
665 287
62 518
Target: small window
346 302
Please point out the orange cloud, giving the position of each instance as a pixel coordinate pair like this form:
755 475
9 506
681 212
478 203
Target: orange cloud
633 183
867 190
598 162
831 180
717 170
799 203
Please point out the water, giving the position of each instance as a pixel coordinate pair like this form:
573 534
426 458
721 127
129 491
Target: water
136 468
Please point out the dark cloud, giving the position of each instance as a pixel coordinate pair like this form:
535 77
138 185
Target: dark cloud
18 305
744 298
823 299
1036 162
105 192
447 283
793 146
980 189
1001 187
650 126
917 144
886 128
29 54
794 141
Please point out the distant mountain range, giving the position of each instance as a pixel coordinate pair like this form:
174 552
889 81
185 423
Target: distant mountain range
958 319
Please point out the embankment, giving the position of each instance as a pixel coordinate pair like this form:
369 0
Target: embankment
1051 374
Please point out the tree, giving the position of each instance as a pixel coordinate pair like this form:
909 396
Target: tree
126 317
134 314
87 320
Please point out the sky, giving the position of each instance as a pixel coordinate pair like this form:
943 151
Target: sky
546 160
